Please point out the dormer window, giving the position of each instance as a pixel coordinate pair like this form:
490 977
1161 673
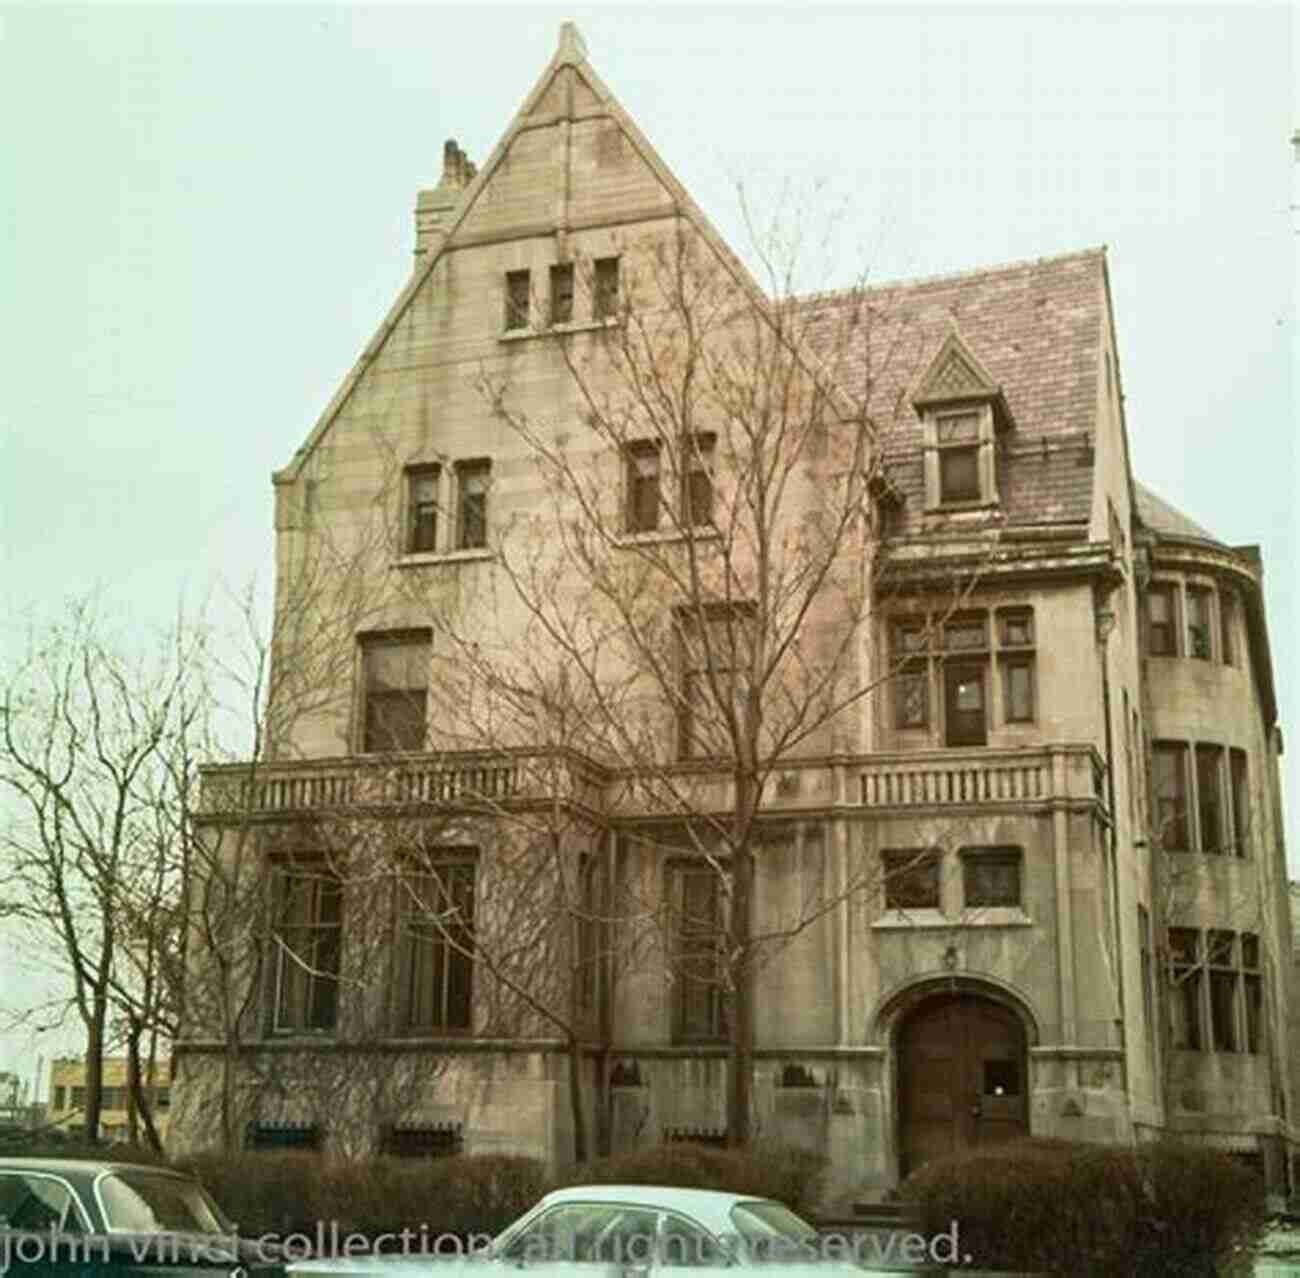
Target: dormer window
958 438
961 408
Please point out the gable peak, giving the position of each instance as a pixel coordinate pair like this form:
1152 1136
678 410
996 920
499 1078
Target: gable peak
572 47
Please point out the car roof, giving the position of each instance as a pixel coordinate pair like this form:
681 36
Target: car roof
659 1195
85 1166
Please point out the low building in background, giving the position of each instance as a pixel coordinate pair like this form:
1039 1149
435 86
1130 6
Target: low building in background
66 1108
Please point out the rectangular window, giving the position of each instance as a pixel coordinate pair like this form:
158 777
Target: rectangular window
911 879
641 462
697 480
958 437
912 682
422 505
473 479
163 1098
518 296
417 1140
1253 985
78 1098
1015 628
604 301
959 474
395 671
966 723
1018 690
1198 623
1240 803
1160 621
991 877
435 946
1185 989
716 662
562 293
60 1098
1228 627
307 914
1209 801
699 943
1223 992
1169 768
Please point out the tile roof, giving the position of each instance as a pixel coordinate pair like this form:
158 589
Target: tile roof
1037 328
1161 517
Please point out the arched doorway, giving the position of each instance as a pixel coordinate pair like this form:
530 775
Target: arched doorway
962 1077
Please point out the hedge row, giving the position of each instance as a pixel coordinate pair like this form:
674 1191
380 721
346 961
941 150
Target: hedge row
286 1193
1163 1211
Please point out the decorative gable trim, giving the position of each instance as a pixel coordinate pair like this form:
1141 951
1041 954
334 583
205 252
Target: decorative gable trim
956 376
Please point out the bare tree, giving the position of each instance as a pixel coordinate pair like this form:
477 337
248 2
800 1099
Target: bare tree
86 730
703 564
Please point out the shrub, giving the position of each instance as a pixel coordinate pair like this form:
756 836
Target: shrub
1061 1208
306 1193
791 1176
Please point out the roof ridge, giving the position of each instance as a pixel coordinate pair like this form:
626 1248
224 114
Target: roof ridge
953 276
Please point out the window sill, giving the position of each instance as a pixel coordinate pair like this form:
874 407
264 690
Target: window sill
423 558
668 536
897 920
583 326
976 506
995 916
991 916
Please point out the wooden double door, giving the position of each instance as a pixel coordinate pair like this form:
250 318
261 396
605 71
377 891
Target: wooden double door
961 1078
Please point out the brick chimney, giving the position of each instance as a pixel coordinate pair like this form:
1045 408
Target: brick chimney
433 208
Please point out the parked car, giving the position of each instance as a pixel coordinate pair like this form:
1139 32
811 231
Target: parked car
628 1231
69 1216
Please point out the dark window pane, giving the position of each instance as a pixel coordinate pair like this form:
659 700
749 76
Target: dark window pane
964 703
1209 772
604 302
1254 991
1223 1010
423 500
1198 623
699 991
1160 621
1170 779
436 937
517 298
1240 803
1001 1078
562 293
643 488
912 697
991 878
1228 628
308 914
697 503
1018 690
1017 629
959 478
473 506
911 880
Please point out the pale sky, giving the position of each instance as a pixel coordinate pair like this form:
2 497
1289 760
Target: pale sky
211 211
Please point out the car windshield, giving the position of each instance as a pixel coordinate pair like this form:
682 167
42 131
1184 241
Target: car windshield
765 1226
144 1202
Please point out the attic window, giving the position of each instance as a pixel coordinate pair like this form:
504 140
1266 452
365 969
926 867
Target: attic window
959 469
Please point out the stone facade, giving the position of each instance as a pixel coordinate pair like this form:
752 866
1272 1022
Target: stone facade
1091 769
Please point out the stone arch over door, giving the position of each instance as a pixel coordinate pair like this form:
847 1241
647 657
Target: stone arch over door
961 1057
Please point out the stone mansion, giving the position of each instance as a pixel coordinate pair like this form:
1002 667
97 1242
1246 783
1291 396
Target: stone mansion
662 665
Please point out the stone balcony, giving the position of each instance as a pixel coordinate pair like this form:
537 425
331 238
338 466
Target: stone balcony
990 779
980 777
464 779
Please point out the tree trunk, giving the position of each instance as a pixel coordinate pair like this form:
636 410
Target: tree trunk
95 1067
133 1085
141 1107
581 1149
741 1080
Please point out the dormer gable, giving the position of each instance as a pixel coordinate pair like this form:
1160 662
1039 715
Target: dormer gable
961 408
956 377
